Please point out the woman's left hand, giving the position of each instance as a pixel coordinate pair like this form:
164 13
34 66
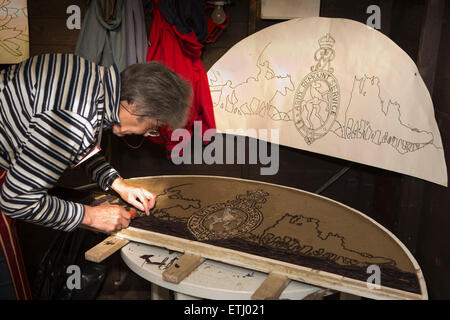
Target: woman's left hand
140 198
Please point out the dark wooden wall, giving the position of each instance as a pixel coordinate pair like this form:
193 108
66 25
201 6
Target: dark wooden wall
47 26
433 237
414 210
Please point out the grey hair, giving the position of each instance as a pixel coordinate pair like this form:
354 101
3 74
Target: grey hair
157 91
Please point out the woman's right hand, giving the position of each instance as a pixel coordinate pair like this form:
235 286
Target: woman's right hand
107 218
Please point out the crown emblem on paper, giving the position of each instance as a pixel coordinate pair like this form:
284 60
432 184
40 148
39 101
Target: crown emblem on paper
326 41
325 54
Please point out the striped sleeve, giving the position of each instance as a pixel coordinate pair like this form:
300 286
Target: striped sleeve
99 170
53 141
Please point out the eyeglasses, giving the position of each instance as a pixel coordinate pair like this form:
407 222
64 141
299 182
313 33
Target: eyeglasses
151 132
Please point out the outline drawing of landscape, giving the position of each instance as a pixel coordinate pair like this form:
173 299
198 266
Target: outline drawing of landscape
334 247
235 98
385 125
379 123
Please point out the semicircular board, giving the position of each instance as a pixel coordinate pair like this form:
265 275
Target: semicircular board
331 86
272 228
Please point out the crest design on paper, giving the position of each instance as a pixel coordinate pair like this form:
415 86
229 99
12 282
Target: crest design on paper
228 219
317 99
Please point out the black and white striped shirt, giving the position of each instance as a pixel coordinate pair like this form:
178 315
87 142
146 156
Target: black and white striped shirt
51 107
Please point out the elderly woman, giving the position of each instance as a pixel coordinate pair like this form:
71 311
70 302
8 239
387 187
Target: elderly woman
53 109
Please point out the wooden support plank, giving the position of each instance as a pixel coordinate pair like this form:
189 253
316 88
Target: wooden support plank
272 287
105 248
182 267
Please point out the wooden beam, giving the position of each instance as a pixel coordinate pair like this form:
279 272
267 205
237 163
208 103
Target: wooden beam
414 190
105 248
430 40
272 287
182 267
386 16
254 13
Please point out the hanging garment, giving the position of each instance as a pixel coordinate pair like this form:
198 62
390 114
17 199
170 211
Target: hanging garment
100 41
148 17
108 9
181 53
136 35
186 16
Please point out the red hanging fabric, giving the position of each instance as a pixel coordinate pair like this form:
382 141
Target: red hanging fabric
10 247
181 53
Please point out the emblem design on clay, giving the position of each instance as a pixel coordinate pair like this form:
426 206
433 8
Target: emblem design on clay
228 219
